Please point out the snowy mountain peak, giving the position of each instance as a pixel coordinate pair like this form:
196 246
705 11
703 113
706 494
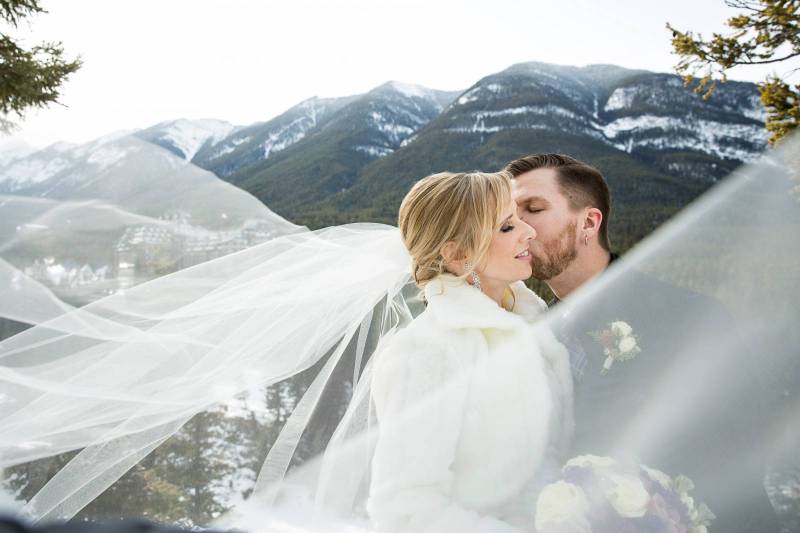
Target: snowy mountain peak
410 90
407 91
62 146
631 110
260 141
186 137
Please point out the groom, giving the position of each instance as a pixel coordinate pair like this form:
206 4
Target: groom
568 204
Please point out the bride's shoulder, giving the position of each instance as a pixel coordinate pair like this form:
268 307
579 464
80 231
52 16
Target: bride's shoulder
417 340
527 301
414 364
420 347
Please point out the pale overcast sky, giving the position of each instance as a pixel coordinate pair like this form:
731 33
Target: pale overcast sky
244 61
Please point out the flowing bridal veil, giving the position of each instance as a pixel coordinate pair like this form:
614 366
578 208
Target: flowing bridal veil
196 359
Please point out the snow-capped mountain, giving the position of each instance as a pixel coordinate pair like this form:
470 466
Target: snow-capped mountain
64 166
395 112
329 156
380 120
12 149
185 138
629 110
132 177
257 142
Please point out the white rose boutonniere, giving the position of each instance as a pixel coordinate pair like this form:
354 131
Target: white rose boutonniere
621 329
619 343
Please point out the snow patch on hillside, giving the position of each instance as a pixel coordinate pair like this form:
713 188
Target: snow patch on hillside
394 132
621 98
109 155
717 138
374 151
188 136
32 170
229 147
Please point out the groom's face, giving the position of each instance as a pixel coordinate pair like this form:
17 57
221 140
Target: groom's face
543 206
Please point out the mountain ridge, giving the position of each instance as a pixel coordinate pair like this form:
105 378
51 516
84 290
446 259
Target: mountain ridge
333 160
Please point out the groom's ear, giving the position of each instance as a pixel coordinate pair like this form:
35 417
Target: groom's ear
592 220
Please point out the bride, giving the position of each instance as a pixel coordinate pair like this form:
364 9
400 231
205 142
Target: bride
499 391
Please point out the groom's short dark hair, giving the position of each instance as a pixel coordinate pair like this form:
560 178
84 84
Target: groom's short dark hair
582 184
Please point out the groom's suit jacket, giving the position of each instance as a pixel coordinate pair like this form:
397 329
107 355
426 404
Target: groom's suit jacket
709 437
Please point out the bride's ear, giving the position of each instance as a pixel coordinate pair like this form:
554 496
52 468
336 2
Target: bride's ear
453 258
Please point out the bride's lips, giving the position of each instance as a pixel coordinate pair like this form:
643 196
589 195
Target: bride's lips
524 255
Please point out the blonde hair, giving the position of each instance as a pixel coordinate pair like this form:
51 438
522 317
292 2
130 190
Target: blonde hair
466 208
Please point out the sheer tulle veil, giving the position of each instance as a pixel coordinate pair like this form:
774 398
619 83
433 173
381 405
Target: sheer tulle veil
219 316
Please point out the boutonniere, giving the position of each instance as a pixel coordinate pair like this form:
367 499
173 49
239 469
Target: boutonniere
619 343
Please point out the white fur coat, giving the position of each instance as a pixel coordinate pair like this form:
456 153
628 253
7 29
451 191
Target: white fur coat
472 401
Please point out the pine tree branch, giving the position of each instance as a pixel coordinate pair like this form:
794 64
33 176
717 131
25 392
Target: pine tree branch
12 11
766 62
742 4
768 26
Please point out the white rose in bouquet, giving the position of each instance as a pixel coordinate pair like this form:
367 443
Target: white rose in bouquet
562 506
688 501
627 495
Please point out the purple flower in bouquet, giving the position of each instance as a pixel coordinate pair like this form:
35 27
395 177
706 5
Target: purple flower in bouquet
668 515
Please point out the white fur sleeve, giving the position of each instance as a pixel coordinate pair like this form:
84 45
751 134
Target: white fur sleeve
419 397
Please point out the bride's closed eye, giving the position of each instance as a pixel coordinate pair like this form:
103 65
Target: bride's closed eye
506 228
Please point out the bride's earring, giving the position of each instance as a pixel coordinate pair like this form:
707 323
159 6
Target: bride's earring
586 239
473 276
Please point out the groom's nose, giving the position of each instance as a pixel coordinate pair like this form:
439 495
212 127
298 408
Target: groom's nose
529 234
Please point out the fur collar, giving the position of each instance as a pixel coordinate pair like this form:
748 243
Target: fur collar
457 305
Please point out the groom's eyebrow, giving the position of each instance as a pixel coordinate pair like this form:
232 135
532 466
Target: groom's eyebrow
535 200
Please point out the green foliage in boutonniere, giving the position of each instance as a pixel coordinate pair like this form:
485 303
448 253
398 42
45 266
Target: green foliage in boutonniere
619 343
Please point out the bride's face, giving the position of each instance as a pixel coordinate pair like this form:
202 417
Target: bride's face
508 258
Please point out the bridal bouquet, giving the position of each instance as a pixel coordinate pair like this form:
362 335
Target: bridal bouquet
599 494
